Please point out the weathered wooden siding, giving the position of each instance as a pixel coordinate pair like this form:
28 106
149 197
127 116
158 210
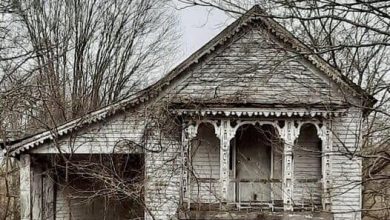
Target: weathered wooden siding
162 158
346 168
254 69
108 137
62 205
250 69
162 170
307 168
37 191
205 153
73 205
205 165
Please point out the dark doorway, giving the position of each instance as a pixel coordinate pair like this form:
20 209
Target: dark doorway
106 187
258 163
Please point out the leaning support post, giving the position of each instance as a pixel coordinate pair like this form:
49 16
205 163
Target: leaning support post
188 134
25 187
48 188
37 193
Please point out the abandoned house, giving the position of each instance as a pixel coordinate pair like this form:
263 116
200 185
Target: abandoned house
253 125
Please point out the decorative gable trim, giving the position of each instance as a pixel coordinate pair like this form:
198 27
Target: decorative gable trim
256 14
264 112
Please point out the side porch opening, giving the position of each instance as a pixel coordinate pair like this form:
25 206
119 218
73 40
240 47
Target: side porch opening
86 186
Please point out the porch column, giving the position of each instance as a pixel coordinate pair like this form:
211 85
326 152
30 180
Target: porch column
189 133
289 133
36 191
25 187
325 135
225 134
48 187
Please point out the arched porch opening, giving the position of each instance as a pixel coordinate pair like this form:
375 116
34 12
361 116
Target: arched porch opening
205 165
256 166
307 169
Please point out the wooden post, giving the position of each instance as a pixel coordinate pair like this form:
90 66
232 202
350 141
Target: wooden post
225 134
189 133
289 133
25 187
36 192
48 197
325 135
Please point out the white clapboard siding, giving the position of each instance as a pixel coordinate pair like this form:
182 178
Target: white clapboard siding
162 170
72 205
205 191
162 162
205 163
62 206
307 168
103 137
253 69
346 172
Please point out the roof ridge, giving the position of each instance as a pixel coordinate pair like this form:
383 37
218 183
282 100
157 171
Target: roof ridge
256 12
309 54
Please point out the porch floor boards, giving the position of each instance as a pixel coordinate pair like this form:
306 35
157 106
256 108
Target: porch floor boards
254 215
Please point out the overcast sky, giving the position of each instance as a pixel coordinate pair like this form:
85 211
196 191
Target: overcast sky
198 25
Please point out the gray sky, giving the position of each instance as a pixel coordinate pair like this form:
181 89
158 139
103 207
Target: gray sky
198 25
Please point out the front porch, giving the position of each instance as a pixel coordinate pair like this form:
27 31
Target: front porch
254 215
256 162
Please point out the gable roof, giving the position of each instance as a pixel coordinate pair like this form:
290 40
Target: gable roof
254 14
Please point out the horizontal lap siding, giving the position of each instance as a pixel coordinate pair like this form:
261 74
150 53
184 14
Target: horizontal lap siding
162 186
62 207
308 194
253 69
72 205
346 171
162 169
205 191
205 163
307 166
105 137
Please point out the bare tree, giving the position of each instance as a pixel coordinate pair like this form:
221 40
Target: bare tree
353 36
62 59
84 55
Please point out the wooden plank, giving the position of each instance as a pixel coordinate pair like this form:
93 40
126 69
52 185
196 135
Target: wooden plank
25 187
36 192
254 215
48 197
